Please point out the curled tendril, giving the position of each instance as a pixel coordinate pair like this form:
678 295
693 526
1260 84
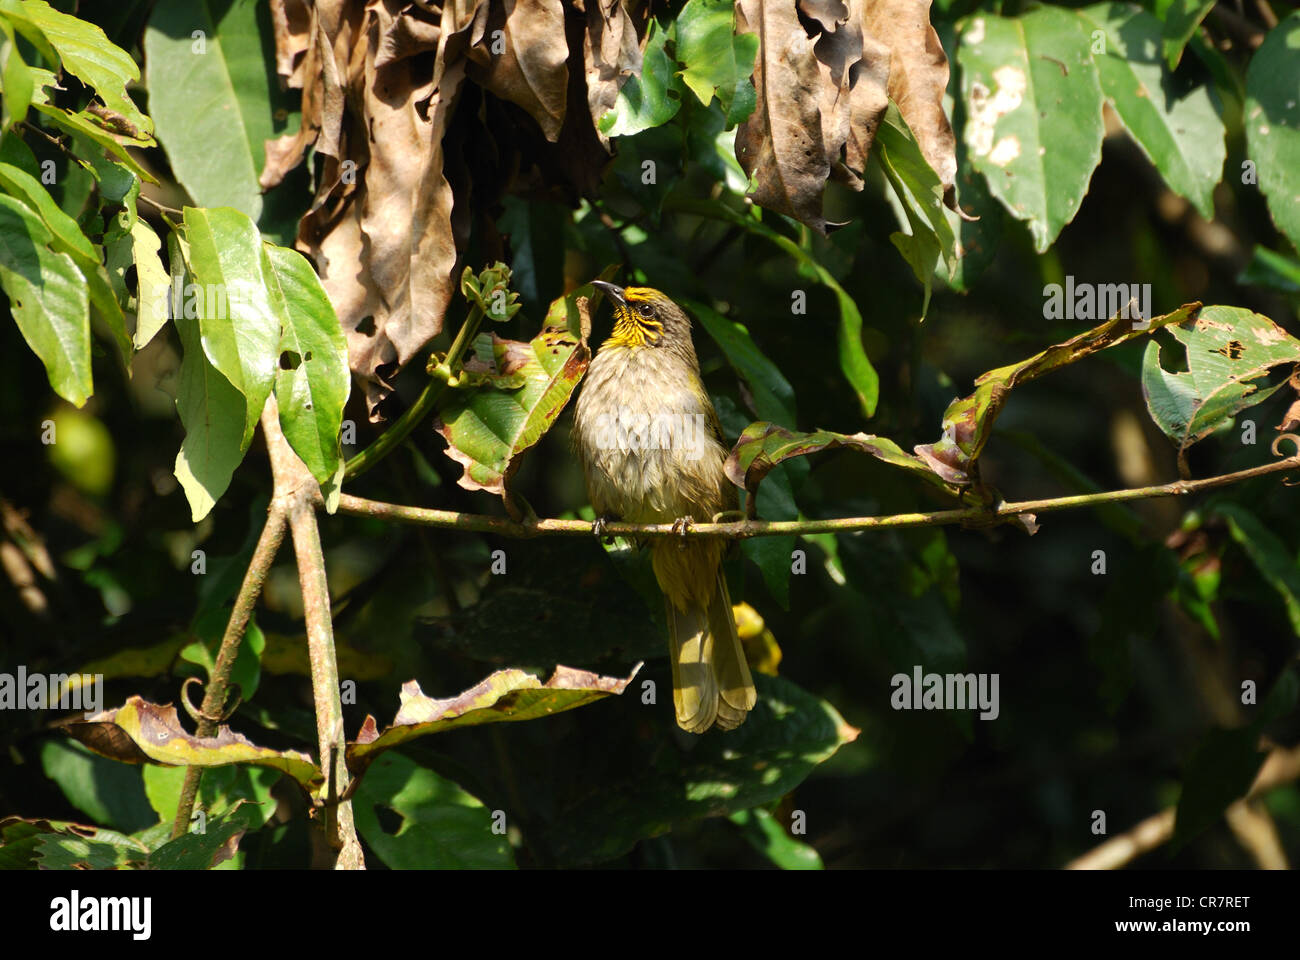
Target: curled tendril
197 713
1277 452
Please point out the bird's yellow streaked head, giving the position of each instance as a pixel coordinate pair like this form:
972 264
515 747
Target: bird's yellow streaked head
644 317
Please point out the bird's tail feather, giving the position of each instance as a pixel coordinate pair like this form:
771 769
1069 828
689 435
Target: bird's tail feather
711 680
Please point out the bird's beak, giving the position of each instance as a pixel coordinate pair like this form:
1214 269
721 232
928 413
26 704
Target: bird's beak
612 291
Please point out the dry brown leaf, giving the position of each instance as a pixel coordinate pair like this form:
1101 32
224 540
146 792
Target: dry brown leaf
291 21
519 52
611 52
823 84
918 77
781 145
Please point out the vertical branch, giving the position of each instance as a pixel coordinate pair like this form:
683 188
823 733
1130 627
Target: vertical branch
297 491
214 697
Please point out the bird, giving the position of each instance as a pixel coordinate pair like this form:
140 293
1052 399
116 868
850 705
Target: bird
652 451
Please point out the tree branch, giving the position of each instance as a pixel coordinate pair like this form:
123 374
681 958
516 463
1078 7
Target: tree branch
296 493
744 529
1282 766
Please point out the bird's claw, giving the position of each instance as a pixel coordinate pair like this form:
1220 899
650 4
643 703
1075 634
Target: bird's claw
598 528
680 526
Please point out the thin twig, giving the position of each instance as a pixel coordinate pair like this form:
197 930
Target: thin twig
438 384
161 207
744 529
214 696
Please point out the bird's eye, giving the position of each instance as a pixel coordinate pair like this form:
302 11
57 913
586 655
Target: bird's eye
645 310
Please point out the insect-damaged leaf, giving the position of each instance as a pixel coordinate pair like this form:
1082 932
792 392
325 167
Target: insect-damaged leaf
968 422
1228 350
764 445
487 427
507 695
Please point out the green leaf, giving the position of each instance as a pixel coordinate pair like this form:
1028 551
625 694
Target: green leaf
70 849
48 299
109 793
1272 118
1177 125
1033 108
239 322
219 791
153 285
854 363
1271 556
774 398
1270 269
230 79
920 191
773 841
788 733
16 79
1226 762
68 238
715 60
1181 18
528 384
88 55
1228 349
203 851
84 124
413 819
764 445
312 381
212 411
651 98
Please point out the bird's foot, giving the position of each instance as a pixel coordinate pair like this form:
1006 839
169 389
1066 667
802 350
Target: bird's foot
680 526
598 527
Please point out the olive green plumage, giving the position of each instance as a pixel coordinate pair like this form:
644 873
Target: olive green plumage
652 452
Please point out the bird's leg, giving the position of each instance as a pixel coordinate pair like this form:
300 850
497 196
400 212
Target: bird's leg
680 526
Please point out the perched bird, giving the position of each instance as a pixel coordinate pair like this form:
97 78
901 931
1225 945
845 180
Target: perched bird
652 452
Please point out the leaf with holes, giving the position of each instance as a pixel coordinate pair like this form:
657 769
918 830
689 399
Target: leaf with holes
487 429
968 422
1033 108
312 381
1228 350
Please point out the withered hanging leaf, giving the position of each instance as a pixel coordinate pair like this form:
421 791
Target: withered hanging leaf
487 429
610 54
918 77
855 71
518 51
968 422
505 696
781 146
823 84
140 732
765 445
